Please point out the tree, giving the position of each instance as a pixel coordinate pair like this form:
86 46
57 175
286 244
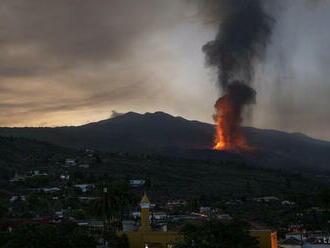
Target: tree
324 198
116 241
216 234
3 211
37 181
114 200
67 235
81 239
35 236
78 214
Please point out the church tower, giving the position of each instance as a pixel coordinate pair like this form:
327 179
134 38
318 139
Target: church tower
145 214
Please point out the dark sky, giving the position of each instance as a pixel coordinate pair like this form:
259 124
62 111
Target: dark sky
68 62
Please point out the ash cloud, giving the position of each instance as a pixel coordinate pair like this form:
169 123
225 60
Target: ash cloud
244 30
291 76
293 82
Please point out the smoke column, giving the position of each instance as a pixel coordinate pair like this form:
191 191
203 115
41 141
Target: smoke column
243 34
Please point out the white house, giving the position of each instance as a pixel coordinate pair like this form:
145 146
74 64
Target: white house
137 183
65 177
18 178
266 199
321 242
50 189
38 173
159 215
224 217
136 214
176 203
84 187
298 236
288 203
291 243
17 197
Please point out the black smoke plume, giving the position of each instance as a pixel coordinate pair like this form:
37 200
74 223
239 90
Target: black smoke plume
243 33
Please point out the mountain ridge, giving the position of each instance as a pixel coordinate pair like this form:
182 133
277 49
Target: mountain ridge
162 133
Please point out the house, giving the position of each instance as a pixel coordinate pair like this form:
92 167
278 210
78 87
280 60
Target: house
205 210
320 242
136 214
37 173
288 203
266 199
224 217
92 225
65 177
295 235
17 197
70 162
50 189
84 187
291 243
176 203
18 178
137 183
59 214
87 150
159 215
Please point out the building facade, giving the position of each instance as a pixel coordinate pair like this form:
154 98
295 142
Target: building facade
146 238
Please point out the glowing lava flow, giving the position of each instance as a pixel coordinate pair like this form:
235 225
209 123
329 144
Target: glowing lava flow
220 137
228 117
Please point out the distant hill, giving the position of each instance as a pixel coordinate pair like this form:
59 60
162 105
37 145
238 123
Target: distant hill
22 152
162 133
130 132
18 154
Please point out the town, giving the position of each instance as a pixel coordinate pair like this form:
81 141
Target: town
164 124
102 206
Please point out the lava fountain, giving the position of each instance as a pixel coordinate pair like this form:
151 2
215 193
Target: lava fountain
228 116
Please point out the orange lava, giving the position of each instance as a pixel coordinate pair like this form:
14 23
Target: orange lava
220 143
229 135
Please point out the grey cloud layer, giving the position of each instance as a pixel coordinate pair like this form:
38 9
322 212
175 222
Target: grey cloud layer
66 33
79 53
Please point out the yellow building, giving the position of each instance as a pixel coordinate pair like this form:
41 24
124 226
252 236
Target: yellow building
146 238
266 238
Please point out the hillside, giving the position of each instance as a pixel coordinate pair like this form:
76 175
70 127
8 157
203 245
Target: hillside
172 178
21 154
169 177
162 133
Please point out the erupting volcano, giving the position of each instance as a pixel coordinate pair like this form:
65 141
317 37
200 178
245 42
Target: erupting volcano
228 116
244 30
